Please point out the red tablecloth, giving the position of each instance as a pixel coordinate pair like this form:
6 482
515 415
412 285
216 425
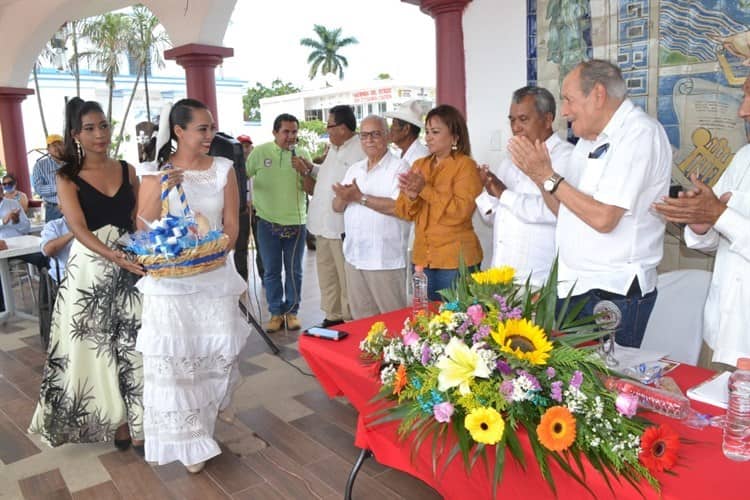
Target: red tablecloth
702 470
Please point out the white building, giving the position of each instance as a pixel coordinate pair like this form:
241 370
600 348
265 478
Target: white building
374 97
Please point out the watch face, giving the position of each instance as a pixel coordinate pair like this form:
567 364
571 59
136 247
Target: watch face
548 185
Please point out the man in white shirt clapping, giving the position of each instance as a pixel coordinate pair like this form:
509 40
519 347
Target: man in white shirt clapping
608 237
523 225
719 219
375 243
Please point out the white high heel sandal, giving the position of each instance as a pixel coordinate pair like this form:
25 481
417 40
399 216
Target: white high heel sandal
195 468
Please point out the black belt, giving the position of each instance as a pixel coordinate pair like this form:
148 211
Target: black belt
633 292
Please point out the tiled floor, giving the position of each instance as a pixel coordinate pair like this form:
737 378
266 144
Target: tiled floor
289 440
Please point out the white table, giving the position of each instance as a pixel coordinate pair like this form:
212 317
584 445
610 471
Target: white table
17 246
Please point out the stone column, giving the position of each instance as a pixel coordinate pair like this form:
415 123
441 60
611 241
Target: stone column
14 141
449 34
200 63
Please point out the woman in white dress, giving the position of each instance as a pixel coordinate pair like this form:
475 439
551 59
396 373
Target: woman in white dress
192 330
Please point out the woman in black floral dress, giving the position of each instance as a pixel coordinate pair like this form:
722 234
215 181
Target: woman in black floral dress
92 385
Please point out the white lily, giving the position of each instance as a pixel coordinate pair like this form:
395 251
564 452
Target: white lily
459 365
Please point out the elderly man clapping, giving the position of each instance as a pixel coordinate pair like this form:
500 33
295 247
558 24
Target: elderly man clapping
375 242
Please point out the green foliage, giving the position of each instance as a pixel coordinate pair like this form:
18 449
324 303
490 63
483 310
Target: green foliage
324 57
251 99
317 126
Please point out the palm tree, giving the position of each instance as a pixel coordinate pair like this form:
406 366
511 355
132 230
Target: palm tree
324 56
74 30
109 33
46 55
147 45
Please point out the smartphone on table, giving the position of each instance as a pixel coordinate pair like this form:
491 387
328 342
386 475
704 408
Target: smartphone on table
325 333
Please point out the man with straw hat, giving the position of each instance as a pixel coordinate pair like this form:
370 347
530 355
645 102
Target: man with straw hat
43 176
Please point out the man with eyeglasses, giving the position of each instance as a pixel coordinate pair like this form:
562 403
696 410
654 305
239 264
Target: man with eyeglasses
609 240
375 243
322 221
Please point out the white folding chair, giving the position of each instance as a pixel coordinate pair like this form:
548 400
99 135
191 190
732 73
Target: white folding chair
676 323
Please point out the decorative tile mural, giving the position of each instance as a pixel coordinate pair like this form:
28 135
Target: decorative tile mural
684 61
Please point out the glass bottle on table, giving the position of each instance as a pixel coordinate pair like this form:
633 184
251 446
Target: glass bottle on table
736 442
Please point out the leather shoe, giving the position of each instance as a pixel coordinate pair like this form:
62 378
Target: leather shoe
327 323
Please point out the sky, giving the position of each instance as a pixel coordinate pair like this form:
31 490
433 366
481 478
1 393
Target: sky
394 37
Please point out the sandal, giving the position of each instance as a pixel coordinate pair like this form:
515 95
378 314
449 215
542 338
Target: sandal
122 444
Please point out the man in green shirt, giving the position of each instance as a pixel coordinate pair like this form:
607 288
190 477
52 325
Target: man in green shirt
280 203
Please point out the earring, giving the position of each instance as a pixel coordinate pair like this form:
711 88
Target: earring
79 152
454 147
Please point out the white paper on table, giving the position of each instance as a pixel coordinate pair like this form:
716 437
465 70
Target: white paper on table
714 391
632 357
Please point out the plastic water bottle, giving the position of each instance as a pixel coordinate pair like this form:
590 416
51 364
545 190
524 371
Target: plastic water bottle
420 299
736 444
652 398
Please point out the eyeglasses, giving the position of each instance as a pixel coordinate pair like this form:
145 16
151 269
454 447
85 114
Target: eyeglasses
9 183
332 125
374 135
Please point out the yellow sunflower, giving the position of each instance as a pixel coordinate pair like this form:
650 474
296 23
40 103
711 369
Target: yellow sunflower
377 328
495 276
524 340
557 429
485 425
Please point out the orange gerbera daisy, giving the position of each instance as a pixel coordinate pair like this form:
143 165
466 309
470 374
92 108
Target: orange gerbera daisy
400 379
659 447
557 429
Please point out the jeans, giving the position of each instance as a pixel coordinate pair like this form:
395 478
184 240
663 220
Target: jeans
440 279
634 311
277 249
51 212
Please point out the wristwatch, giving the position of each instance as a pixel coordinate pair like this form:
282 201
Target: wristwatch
363 200
550 185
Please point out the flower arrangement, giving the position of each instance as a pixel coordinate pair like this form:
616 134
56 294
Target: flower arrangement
488 365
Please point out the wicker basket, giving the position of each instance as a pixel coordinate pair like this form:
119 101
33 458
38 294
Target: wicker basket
204 257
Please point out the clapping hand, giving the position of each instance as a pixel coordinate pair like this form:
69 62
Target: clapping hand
532 158
698 207
491 183
348 192
411 183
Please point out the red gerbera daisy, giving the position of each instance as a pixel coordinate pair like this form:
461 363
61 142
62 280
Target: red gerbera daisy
659 446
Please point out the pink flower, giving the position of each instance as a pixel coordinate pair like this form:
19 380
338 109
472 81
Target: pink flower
476 313
626 404
410 337
443 412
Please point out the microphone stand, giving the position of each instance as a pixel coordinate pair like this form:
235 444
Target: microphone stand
258 328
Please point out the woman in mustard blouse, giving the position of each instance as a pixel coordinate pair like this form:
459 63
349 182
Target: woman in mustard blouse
438 195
